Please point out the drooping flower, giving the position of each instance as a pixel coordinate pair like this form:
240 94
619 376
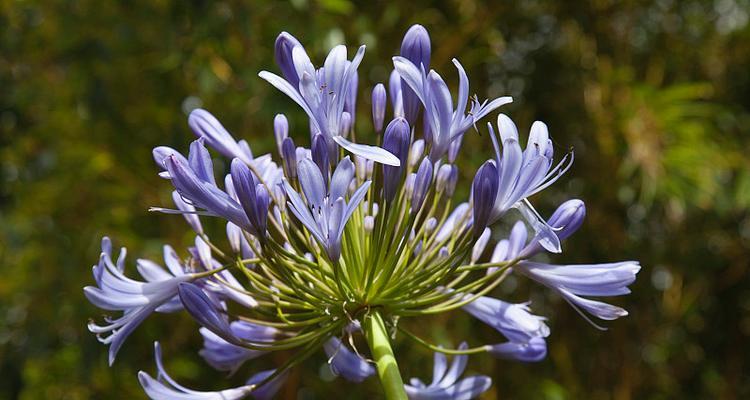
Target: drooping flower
574 281
225 356
325 212
514 321
345 362
447 382
532 351
166 388
136 299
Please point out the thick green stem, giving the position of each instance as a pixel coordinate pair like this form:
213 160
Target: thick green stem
380 346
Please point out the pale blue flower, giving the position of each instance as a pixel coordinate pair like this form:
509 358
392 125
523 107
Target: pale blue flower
514 321
136 299
323 93
447 383
225 356
445 123
325 211
532 351
524 173
574 281
166 388
346 363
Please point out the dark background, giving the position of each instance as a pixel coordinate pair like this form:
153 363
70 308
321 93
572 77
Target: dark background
653 96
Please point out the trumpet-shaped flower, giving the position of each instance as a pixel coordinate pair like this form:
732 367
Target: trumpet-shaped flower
447 382
345 362
225 356
532 351
514 321
325 212
574 281
166 388
322 93
136 299
445 123
524 173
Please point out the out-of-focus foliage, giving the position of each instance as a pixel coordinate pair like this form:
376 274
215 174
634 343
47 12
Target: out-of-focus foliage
653 96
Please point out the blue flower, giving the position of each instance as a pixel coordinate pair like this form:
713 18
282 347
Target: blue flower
206 126
326 212
416 48
524 173
444 123
225 356
166 388
345 362
514 321
136 299
378 106
566 219
574 281
532 351
484 191
446 384
323 93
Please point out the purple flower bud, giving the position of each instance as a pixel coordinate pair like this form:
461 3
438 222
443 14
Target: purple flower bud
350 103
360 167
430 225
415 152
346 123
409 184
396 141
533 351
378 107
445 179
568 217
253 197
416 48
205 125
280 129
484 190
289 156
320 155
369 223
283 55
421 184
369 167
454 147
205 311
394 88
450 185
480 245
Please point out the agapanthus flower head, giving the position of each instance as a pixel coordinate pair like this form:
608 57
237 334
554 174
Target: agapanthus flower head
330 255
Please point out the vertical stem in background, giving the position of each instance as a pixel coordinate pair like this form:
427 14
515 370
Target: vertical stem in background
380 346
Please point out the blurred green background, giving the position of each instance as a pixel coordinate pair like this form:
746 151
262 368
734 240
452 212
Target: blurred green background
653 96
